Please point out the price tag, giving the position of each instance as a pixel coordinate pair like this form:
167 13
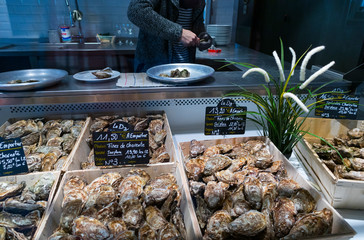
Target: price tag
344 106
225 119
121 146
12 157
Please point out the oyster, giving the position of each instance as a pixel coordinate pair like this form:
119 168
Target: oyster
13 205
68 142
60 162
154 218
169 231
126 235
237 164
216 163
155 126
159 155
43 186
342 172
74 194
61 235
31 138
49 160
215 194
132 186
218 225
303 201
98 125
159 188
34 161
311 225
141 125
89 228
196 188
253 192
101 196
357 164
74 183
177 220
133 213
146 232
211 151
355 133
194 168
203 213
66 125
10 189
225 176
209 179
284 213
196 148
287 187
70 211
17 221
248 224
116 226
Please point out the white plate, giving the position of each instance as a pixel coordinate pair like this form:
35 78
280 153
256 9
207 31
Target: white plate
87 76
198 72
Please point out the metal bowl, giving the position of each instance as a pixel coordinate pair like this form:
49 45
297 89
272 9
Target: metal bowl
198 72
44 77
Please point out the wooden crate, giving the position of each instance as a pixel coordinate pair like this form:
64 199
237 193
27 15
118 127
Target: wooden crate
84 149
77 144
340 229
31 179
340 193
53 213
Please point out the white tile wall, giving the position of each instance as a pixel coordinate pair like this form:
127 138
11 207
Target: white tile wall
33 18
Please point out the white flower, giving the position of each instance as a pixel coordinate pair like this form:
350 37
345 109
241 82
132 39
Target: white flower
306 59
282 77
295 98
259 70
293 59
316 74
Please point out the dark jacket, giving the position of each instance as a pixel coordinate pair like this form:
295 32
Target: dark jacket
158 30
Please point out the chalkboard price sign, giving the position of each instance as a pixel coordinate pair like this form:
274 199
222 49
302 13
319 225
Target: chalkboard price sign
12 157
338 105
225 119
121 146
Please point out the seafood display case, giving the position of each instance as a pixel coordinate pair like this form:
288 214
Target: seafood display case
342 188
155 190
217 200
161 146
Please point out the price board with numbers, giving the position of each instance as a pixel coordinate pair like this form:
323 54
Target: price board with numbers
338 105
225 119
121 146
12 157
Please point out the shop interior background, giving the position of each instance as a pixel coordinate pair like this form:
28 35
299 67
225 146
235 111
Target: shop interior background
337 24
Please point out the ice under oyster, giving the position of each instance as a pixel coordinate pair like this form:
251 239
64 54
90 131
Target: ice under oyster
112 206
241 192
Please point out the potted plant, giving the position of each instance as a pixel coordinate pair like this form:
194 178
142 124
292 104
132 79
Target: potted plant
278 111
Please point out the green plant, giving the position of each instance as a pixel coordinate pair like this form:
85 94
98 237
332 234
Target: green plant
279 110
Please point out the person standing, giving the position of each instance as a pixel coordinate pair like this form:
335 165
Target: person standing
168 31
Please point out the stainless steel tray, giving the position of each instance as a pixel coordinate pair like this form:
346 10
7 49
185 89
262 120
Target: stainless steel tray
198 72
44 77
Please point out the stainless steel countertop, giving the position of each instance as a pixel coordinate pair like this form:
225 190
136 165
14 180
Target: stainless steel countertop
70 90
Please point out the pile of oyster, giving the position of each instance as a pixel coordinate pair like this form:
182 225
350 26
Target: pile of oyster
241 193
154 124
22 207
351 149
46 144
112 207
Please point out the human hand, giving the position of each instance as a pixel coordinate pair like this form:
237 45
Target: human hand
189 39
205 41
